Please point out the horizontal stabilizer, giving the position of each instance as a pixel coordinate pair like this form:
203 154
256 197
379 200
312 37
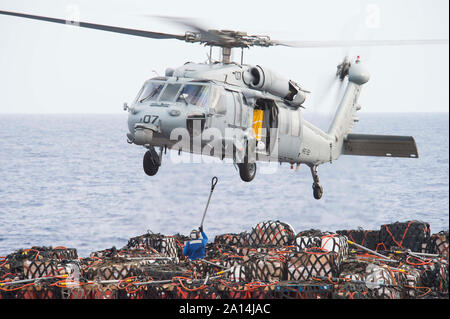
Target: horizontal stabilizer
380 145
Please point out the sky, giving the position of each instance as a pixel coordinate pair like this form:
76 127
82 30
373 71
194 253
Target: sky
52 68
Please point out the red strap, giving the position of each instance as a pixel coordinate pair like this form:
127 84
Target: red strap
364 238
351 237
380 244
262 235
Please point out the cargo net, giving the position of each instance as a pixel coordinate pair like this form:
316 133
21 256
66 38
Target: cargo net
270 234
268 262
314 263
362 280
414 235
118 268
352 284
14 261
217 251
439 244
232 239
316 241
433 274
38 269
366 238
180 241
44 253
412 283
38 262
156 243
269 269
384 282
214 265
166 271
133 253
353 270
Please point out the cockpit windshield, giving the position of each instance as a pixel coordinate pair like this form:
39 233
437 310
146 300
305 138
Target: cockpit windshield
170 92
189 93
150 91
194 94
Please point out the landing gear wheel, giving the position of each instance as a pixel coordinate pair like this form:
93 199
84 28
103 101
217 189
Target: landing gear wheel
317 191
151 162
247 171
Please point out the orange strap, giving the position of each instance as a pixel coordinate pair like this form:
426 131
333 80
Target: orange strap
399 244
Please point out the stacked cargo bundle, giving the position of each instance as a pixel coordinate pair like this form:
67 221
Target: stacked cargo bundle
39 262
400 260
319 254
271 234
157 243
414 235
232 239
439 244
35 269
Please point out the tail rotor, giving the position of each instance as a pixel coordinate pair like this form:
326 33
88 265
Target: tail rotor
331 92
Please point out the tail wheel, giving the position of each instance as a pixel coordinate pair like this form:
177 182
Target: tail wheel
151 162
317 191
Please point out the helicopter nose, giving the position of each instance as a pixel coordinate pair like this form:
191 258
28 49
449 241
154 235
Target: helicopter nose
140 136
143 134
154 124
142 126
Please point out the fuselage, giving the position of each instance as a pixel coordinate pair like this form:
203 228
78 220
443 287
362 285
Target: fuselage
215 105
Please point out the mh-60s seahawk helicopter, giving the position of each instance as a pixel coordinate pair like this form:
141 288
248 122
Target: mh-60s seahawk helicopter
261 108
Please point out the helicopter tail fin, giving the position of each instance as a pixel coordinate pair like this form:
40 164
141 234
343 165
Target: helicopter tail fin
345 119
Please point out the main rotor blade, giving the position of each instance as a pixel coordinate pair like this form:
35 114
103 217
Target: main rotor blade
139 33
357 43
322 93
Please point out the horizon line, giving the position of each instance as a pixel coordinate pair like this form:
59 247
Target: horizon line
305 112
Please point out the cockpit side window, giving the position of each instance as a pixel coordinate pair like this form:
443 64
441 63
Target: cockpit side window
150 91
238 109
219 101
195 94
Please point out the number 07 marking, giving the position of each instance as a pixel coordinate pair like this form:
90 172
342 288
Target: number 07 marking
150 119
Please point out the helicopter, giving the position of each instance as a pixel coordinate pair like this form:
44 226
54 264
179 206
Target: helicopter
246 112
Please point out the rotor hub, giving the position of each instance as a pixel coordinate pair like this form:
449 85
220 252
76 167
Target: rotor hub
228 39
343 69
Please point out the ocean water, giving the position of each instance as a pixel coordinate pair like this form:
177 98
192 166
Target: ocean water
72 180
